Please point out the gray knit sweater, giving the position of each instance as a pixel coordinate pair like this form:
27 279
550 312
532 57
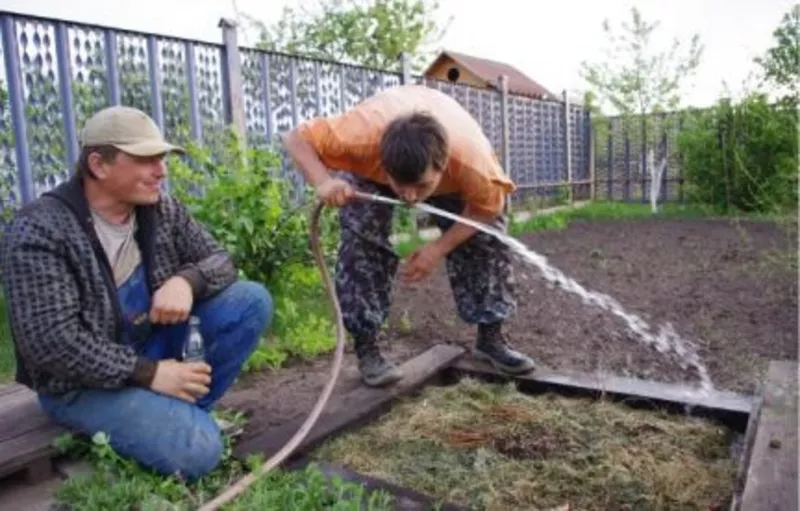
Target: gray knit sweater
65 318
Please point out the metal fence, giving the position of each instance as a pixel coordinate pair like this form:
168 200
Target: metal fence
56 73
627 151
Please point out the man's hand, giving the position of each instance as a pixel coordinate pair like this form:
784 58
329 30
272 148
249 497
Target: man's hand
172 303
335 192
422 262
188 381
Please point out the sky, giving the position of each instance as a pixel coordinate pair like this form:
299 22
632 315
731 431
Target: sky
548 46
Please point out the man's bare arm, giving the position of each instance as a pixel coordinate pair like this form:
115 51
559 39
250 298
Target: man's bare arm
333 192
310 164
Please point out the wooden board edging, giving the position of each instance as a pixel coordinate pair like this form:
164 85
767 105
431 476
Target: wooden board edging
731 408
771 482
354 408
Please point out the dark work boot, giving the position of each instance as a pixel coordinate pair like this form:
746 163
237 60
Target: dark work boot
493 348
375 370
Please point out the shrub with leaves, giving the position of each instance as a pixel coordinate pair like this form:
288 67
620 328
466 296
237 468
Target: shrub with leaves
249 205
742 157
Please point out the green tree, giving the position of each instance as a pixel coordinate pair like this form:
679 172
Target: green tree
781 62
742 156
637 80
360 32
634 77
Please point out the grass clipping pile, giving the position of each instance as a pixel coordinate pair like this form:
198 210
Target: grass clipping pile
491 447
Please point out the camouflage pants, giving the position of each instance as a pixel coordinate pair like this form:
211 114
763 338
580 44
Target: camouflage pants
480 274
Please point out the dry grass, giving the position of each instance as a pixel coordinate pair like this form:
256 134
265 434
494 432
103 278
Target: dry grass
491 447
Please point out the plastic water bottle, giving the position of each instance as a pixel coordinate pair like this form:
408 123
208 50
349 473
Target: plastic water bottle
194 350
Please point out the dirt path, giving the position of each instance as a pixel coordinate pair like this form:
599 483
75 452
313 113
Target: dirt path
713 281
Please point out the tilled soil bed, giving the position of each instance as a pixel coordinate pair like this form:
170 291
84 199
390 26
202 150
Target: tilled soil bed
724 286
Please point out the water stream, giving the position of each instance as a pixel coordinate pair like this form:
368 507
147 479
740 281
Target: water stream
664 340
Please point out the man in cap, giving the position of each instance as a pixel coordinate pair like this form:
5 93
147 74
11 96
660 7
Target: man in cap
101 276
418 144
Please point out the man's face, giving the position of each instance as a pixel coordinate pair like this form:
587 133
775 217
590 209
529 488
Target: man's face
134 180
419 191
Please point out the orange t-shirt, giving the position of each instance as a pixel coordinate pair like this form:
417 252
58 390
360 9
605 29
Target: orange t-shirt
350 142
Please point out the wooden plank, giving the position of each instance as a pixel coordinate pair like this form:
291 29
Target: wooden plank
732 408
405 499
26 435
771 483
26 450
357 406
18 494
744 454
11 388
21 415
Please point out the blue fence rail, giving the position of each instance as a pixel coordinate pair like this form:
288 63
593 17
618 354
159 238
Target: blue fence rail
56 73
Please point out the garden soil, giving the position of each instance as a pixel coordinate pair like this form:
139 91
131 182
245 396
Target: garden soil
725 286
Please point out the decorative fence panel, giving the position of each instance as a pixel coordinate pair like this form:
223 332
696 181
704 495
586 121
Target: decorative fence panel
55 74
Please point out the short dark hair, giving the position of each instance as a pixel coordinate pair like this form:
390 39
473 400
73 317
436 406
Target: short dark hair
108 153
412 143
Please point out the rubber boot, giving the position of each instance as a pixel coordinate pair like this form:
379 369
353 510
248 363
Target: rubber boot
375 370
492 347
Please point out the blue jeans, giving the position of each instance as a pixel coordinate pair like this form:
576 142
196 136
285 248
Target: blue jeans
164 433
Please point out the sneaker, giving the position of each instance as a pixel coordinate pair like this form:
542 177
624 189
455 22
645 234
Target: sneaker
492 347
375 370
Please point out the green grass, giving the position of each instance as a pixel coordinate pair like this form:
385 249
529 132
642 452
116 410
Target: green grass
118 483
7 358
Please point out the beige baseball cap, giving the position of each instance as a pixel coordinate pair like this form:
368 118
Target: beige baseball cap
129 130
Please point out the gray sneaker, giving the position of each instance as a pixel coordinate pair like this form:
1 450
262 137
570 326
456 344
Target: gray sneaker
375 370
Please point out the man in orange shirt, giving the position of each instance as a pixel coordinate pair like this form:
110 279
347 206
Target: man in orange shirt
418 144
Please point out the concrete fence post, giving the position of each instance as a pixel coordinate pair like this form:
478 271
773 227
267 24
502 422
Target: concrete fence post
405 68
567 146
233 85
505 157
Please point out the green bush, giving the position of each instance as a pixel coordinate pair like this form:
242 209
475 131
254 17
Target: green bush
742 157
247 205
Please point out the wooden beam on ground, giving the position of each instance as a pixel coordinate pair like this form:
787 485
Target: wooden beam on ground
772 483
354 408
26 434
731 408
17 494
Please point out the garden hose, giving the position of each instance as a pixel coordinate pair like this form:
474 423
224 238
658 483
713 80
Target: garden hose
316 247
241 485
